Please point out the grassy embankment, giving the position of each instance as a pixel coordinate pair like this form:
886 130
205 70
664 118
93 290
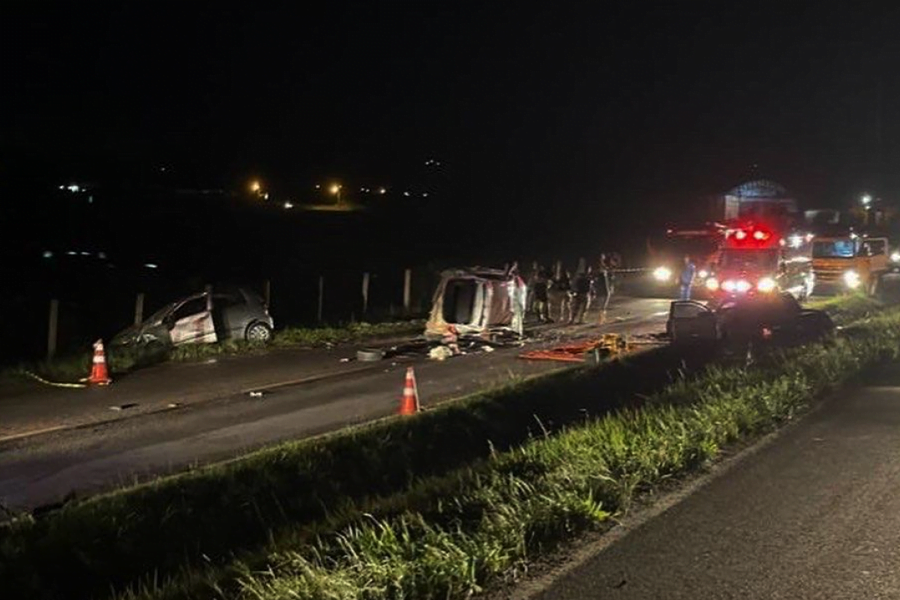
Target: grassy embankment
430 530
73 367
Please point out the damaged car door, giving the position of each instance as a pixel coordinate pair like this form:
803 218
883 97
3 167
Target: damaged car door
191 322
691 322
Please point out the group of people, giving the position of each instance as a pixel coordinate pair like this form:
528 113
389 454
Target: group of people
562 297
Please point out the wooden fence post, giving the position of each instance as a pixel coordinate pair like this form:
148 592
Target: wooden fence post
365 293
52 328
407 290
139 309
321 298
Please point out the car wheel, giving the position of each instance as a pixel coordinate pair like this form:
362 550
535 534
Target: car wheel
259 333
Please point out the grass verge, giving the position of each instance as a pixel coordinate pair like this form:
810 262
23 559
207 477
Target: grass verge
452 536
118 538
295 490
73 367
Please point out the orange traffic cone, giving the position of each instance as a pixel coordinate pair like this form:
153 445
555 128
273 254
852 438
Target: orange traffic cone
99 374
409 403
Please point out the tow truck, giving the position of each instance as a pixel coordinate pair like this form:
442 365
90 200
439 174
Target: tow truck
851 261
757 259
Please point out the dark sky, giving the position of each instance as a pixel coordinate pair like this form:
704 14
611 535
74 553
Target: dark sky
587 109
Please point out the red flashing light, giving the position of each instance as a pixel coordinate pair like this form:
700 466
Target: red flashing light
749 235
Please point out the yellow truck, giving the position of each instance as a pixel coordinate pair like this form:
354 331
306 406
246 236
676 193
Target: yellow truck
850 262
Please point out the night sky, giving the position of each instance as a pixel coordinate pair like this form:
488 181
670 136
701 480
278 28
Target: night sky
569 117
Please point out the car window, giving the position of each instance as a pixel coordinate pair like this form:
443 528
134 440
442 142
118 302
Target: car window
688 310
834 248
227 300
738 260
189 308
876 247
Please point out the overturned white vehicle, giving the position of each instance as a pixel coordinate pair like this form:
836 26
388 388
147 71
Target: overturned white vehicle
478 302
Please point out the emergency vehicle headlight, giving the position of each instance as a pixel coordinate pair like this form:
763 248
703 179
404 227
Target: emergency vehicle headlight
703 274
712 284
766 284
895 257
851 278
742 285
729 285
662 274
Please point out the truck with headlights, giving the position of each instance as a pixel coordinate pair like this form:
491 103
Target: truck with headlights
850 261
755 259
666 256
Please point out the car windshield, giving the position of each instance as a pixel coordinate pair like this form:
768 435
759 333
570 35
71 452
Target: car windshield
159 315
748 260
834 249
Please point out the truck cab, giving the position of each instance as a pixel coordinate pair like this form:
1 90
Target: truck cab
850 262
755 260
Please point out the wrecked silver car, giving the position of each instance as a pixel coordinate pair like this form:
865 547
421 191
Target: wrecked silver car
477 302
204 318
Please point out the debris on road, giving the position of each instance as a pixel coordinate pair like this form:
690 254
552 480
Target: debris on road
255 394
369 355
119 407
346 360
440 353
610 344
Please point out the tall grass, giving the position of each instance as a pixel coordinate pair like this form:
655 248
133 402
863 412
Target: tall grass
453 535
291 513
207 515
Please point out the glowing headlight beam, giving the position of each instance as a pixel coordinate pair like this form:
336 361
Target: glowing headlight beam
766 284
662 274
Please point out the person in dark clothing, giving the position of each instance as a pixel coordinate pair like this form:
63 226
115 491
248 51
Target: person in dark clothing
531 281
581 287
686 278
539 292
558 294
603 287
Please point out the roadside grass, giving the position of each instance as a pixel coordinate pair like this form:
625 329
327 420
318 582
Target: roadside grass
205 516
454 535
179 535
847 307
75 366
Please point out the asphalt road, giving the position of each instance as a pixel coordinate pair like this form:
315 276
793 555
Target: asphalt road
41 469
813 514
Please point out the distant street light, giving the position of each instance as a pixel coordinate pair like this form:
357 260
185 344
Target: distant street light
255 186
866 201
335 190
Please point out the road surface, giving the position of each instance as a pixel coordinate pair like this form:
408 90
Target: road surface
300 399
813 514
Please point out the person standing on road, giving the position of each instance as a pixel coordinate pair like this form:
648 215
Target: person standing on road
558 295
533 277
517 292
581 287
539 292
602 289
686 279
